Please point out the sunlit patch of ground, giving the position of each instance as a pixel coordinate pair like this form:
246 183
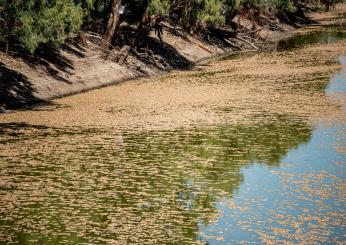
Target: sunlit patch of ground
286 82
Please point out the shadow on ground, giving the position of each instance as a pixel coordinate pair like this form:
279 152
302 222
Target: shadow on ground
51 59
16 90
15 129
15 132
172 58
170 55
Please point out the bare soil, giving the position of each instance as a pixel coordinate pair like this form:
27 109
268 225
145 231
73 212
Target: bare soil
76 67
289 82
229 91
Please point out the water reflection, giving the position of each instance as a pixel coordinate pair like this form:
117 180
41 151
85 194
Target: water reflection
83 186
302 200
338 85
320 37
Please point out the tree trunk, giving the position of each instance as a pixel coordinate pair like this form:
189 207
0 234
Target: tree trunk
112 24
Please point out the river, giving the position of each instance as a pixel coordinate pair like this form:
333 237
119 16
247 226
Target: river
247 150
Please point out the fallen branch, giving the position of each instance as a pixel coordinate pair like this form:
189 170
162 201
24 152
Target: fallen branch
202 46
247 42
233 44
253 31
150 56
90 34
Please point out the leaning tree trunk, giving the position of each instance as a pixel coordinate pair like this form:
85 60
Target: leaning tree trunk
112 24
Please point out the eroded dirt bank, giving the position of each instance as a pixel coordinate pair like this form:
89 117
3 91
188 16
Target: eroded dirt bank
291 82
76 68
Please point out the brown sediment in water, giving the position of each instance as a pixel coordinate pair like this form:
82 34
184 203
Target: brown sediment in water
74 177
78 170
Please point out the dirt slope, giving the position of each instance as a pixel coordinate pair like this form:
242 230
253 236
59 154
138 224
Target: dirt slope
25 80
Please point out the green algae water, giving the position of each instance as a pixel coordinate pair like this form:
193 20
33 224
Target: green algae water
279 179
321 37
87 186
330 35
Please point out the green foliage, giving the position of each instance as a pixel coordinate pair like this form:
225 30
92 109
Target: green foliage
192 12
259 5
285 5
211 13
184 11
159 7
232 4
33 22
87 4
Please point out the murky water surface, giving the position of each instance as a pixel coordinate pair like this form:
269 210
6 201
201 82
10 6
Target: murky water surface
277 180
327 36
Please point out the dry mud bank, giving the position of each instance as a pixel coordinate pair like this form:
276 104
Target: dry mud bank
229 91
75 68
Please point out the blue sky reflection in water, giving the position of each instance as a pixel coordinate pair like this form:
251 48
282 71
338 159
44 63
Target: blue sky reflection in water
302 200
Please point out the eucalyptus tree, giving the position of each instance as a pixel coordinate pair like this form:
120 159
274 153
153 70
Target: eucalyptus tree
112 24
30 23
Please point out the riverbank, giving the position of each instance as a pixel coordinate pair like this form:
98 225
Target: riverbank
233 91
245 150
78 68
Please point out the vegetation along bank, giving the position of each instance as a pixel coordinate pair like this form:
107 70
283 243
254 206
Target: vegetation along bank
50 49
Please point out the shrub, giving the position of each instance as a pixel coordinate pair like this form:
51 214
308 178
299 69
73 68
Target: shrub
211 13
159 7
34 22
